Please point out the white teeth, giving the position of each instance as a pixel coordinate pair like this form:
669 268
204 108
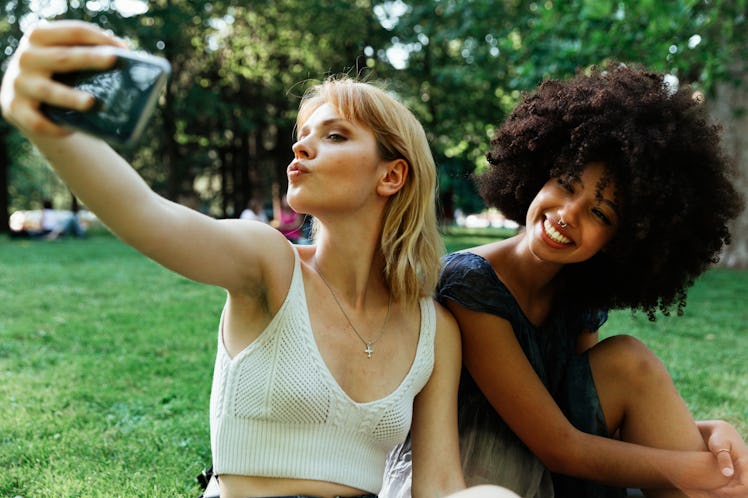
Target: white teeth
555 236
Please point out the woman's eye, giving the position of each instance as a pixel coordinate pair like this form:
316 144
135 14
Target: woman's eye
602 216
335 137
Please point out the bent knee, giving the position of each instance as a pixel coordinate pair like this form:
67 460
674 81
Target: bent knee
626 358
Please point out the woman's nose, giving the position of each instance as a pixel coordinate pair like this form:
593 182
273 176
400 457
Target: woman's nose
302 148
569 212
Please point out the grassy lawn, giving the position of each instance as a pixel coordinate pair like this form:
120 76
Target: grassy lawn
106 363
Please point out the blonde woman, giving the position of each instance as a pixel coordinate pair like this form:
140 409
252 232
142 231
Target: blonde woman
327 354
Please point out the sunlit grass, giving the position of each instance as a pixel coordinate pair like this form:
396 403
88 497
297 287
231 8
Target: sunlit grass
105 369
706 349
106 362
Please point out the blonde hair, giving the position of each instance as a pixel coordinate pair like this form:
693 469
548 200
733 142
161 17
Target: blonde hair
410 241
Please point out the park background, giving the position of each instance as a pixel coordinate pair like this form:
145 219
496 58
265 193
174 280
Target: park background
106 358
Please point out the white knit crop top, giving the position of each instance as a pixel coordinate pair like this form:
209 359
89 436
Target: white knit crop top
277 411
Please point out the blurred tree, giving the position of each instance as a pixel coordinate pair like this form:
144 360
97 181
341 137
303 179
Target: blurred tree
223 132
467 62
455 78
261 57
10 144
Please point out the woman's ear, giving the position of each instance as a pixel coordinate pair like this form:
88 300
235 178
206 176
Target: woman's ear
395 174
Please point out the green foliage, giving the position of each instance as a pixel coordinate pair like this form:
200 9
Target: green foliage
455 80
470 60
692 39
225 124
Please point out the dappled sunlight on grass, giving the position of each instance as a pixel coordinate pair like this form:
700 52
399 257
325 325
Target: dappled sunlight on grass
106 363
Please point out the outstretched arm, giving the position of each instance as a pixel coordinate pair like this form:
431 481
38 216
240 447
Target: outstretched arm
496 361
230 253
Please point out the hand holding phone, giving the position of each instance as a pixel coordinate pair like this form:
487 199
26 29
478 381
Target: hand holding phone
126 95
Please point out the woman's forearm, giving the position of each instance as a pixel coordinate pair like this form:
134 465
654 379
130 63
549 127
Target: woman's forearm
102 180
618 463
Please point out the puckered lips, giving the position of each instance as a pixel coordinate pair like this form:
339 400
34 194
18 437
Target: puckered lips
295 170
554 234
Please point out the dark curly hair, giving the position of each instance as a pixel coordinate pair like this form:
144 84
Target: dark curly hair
673 182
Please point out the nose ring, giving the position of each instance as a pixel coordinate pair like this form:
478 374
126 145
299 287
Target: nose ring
561 223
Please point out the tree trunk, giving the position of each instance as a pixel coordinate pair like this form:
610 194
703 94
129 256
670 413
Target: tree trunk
731 109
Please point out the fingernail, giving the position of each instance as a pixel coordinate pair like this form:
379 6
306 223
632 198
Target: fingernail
86 102
727 472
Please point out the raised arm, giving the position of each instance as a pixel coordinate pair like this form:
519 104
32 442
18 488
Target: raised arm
436 452
230 254
496 361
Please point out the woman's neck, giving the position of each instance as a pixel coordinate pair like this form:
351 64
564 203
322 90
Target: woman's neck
531 281
352 266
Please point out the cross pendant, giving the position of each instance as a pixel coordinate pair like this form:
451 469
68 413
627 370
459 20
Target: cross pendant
368 350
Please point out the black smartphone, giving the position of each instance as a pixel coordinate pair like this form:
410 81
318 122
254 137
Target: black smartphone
126 95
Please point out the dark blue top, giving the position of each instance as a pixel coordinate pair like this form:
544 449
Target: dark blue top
491 452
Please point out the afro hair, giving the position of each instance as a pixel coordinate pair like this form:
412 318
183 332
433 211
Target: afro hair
672 180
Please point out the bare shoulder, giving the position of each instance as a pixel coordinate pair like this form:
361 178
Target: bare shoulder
496 249
261 253
447 330
500 254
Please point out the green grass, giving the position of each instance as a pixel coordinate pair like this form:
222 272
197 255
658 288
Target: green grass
706 349
462 238
106 362
105 371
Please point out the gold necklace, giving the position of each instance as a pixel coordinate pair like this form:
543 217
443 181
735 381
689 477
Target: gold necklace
368 350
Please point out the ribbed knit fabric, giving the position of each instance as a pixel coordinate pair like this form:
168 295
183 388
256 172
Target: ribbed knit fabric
277 411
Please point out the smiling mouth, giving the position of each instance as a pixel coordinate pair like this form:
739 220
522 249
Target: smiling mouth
554 234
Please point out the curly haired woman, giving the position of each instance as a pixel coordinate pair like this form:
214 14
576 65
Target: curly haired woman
626 196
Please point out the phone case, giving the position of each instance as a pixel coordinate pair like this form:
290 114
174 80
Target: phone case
126 96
